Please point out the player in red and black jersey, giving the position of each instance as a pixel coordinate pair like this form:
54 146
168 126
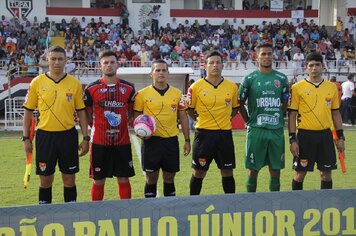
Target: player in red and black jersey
109 103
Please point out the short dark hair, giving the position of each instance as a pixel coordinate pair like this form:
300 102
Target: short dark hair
263 45
158 61
57 49
107 53
211 54
351 76
314 56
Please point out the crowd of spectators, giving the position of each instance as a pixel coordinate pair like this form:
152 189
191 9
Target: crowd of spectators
24 42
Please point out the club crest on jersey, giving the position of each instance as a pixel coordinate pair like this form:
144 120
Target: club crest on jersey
202 161
42 166
122 90
328 102
277 84
69 96
227 101
174 107
113 118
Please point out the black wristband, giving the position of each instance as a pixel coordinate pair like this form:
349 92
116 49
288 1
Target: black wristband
292 138
340 134
187 140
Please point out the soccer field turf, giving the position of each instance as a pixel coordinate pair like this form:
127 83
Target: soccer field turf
12 157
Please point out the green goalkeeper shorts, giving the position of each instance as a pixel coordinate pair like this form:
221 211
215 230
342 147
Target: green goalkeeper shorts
264 147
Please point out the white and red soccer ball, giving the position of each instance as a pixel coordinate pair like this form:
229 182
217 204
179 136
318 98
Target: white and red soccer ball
144 126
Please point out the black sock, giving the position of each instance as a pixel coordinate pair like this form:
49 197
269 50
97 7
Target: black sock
228 184
169 189
297 185
70 194
195 185
45 195
150 190
326 184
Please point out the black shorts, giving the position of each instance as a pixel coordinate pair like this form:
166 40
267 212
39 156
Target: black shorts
109 161
61 146
159 153
315 147
213 144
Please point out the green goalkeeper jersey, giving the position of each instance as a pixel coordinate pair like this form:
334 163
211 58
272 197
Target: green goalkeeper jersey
265 94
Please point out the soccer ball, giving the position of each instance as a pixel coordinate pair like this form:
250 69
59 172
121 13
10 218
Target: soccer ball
144 126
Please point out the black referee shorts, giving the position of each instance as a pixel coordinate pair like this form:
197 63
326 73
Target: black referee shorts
315 146
53 147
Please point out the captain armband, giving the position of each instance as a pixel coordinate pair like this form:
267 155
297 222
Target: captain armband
285 96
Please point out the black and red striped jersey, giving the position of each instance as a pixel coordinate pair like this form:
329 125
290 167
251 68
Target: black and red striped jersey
109 105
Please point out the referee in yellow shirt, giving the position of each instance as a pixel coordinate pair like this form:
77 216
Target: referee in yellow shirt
213 102
57 96
313 110
167 105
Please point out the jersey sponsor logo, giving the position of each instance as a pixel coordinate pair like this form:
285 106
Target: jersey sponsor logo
103 90
69 96
114 104
42 166
268 93
113 118
268 119
328 102
112 132
227 102
268 102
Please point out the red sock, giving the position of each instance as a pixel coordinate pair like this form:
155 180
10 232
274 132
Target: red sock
97 192
125 190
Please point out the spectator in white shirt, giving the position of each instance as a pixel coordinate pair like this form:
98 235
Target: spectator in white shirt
348 91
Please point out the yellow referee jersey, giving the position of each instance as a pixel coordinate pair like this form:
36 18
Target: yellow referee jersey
56 101
213 104
162 107
314 104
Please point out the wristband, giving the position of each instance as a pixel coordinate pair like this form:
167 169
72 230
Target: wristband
340 134
292 138
187 140
24 138
86 138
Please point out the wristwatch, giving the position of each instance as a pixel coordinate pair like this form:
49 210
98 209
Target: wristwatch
86 138
24 138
